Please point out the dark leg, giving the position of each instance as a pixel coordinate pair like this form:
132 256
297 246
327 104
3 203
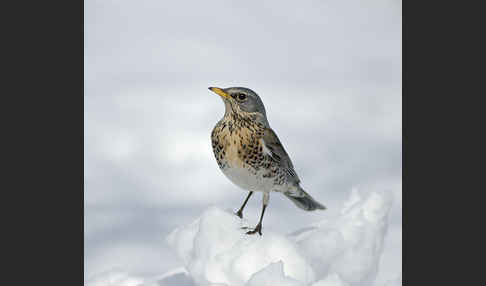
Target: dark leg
240 211
258 227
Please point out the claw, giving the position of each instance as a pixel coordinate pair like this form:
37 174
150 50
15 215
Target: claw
239 213
258 229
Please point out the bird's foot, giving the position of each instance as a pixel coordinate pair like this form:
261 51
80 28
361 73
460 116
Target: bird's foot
239 213
258 229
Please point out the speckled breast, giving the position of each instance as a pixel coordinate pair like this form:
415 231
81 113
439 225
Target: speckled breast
238 149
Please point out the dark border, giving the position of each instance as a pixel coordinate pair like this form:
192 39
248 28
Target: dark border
42 104
443 71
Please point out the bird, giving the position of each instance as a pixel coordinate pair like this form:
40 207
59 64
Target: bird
250 154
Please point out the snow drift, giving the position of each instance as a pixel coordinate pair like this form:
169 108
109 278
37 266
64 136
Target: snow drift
340 251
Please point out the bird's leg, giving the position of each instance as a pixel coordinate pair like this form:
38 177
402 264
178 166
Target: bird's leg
258 227
240 211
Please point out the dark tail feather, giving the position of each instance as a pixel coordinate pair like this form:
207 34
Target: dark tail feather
305 202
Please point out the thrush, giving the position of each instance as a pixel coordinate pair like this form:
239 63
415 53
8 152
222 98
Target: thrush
250 154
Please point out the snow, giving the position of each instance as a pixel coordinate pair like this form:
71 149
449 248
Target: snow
117 277
395 282
215 249
350 245
339 250
331 280
114 277
272 275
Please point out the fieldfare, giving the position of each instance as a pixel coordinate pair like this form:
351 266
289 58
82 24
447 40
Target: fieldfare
250 154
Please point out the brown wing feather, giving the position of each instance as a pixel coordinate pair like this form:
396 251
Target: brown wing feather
279 154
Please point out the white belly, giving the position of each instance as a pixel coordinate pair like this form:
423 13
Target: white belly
250 180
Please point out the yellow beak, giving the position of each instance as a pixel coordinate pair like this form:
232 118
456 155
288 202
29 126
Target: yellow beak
219 92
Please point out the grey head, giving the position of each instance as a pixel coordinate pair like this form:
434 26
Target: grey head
243 101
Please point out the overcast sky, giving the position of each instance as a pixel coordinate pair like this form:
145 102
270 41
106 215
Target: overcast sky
328 72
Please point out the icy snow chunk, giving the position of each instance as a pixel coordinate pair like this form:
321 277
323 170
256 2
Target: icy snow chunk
216 250
272 275
351 244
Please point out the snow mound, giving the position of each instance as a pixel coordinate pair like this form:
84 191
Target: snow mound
340 251
349 245
216 250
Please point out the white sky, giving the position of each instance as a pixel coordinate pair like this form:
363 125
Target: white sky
328 72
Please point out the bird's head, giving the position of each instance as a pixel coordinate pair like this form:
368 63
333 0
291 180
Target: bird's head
241 100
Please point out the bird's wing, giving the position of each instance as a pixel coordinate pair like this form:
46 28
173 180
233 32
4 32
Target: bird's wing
277 152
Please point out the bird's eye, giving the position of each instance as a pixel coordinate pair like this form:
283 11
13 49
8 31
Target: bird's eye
241 96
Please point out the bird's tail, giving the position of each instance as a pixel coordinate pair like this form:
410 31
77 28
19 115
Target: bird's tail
304 201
